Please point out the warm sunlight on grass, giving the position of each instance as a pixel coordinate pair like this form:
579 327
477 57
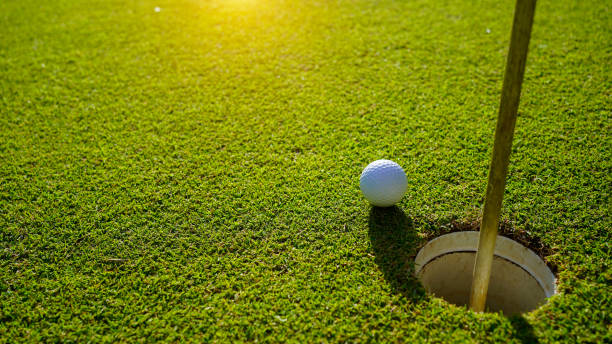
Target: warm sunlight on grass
188 170
239 5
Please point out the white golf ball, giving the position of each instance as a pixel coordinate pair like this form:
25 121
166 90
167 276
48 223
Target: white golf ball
383 183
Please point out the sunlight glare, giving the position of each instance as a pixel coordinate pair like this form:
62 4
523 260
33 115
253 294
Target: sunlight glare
238 4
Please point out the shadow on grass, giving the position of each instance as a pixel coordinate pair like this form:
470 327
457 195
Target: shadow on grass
394 241
523 329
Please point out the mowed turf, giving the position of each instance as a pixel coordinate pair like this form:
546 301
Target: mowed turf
190 173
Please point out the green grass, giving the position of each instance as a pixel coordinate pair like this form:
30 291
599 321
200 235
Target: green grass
192 174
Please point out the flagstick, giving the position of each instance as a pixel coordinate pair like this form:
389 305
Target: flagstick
511 91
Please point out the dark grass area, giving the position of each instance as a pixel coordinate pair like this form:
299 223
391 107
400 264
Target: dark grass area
192 174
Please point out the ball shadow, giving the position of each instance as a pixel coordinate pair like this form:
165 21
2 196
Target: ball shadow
394 242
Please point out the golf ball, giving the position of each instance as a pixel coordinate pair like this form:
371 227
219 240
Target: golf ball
383 183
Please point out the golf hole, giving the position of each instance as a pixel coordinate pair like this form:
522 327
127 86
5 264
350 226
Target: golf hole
520 280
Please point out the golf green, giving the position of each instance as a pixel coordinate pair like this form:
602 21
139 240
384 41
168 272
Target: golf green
188 170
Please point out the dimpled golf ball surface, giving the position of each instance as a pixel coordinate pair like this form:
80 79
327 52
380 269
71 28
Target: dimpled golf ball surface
383 183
